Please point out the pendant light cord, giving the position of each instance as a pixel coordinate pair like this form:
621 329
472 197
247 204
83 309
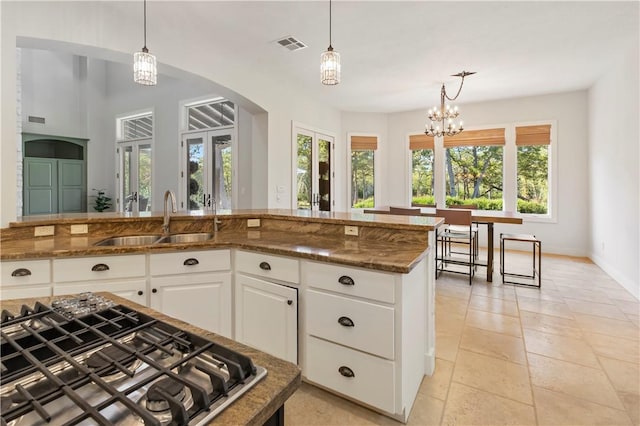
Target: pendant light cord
145 24
329 23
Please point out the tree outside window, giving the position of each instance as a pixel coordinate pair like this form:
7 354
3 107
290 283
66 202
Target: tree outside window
362 179
422 182
533 179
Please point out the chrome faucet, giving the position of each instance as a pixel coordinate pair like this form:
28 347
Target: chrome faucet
165 224
216 221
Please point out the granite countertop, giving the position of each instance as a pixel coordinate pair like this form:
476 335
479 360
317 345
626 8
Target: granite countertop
399 256
258 404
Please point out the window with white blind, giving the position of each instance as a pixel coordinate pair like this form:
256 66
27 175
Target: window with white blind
363 170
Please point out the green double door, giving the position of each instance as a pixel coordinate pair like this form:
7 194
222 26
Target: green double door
53 185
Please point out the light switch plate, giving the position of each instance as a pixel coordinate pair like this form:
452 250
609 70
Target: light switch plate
79 229
253 223
351 230
44 231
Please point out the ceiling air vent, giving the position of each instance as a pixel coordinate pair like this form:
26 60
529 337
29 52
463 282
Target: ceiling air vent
291 43
33 119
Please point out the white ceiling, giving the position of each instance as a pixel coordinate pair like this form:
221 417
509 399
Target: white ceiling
396 54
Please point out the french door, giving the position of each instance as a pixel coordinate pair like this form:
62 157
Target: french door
313 188
207 174
134 176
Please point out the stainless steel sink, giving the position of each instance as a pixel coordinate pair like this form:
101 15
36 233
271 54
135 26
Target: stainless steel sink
186 238
129 240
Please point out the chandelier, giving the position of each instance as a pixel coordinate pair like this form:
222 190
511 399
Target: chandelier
438 116
330 62
145 71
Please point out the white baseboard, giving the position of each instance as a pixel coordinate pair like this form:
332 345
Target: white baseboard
621 278
429 362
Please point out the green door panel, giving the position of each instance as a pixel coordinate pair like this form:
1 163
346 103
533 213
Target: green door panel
40 193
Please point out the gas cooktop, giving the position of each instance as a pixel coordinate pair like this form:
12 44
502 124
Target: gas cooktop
88 361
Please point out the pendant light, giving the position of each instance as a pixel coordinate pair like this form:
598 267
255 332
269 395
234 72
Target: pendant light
145 71
330 62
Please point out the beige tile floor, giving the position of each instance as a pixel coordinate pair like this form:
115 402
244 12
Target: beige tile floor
567 354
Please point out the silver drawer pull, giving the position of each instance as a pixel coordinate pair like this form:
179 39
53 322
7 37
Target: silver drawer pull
346 371
346 321
346 280
21 272
190 262
99 267
265 266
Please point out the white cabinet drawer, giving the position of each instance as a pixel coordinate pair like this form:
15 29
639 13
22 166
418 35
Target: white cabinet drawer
25 272
373 380
189 261
98 268
350 281
268 266
330 317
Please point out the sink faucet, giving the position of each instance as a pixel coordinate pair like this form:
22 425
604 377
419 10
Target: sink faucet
165 224
216 221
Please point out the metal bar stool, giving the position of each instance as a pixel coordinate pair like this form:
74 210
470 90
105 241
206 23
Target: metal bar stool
537 271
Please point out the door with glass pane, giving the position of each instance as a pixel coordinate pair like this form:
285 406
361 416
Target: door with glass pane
314 171
208 170
135 176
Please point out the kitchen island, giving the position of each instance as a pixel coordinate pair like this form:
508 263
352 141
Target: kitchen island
348 297
256 406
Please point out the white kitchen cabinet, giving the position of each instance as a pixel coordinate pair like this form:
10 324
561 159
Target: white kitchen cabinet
123 276
195 287
365 333
267 316
25 278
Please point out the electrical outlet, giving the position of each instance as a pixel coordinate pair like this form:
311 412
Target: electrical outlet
79 229
253 223
351 230
44 231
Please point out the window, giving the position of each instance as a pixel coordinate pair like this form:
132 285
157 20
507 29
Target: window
532 144
422 165
473 168
314 173
363 150
134 142
210 114
208 143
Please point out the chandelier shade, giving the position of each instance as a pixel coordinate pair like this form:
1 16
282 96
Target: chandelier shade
330 62
442 118
145 69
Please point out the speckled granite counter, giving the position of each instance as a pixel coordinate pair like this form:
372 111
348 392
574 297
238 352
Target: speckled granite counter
258 404
385 242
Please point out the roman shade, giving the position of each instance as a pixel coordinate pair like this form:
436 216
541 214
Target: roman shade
420 141
484 137
533 135
364 143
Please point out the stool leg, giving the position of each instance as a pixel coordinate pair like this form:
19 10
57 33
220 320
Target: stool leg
540 264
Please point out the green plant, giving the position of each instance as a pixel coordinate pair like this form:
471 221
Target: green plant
102 202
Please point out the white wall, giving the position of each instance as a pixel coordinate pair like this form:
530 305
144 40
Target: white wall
614 158
108 31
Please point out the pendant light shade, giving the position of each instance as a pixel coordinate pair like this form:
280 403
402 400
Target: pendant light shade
145 70
330 62
330 67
